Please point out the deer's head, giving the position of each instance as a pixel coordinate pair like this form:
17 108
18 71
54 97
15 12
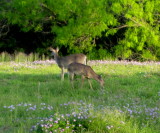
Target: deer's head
54 51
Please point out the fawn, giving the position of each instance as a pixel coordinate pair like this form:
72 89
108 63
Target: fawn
86 72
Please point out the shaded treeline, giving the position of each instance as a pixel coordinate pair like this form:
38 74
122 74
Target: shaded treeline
101 29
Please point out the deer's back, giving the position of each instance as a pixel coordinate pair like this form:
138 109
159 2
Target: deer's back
81 69
79 58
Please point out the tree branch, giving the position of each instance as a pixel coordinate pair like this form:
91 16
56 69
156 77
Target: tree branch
135 21
47 8
4 28
120 27
124 26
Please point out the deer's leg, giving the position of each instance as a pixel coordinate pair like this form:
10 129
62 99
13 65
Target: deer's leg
68 75
90 84
71 79
62 74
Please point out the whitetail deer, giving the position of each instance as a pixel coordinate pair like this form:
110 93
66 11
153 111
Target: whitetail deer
86 72
63 62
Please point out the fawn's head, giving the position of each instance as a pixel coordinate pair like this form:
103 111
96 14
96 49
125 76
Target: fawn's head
101 80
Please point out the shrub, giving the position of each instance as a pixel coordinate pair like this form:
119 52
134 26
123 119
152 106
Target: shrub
104 121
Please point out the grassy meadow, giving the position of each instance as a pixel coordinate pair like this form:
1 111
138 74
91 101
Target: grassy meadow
34 99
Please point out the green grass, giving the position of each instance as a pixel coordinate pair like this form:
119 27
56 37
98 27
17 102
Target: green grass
130 102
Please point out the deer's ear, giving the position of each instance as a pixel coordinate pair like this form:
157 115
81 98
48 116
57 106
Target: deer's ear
57 49
50 48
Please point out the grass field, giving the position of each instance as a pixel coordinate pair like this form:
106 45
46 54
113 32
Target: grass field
34 99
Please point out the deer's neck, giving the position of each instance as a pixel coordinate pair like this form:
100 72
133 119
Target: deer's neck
57 58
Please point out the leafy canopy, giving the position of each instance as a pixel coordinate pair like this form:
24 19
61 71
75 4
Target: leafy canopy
79 24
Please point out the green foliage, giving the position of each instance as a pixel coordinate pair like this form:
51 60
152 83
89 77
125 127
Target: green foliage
142 32
100 54
25 13
76 24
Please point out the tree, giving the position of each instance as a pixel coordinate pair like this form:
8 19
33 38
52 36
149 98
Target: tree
4 27
132 26
142 28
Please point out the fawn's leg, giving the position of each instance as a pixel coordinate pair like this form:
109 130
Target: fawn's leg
101 87
62 73
83 77
90 84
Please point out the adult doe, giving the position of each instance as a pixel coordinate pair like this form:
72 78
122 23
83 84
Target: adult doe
63 62
86 72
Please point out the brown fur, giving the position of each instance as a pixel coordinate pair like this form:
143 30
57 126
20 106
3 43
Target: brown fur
85 71
64 62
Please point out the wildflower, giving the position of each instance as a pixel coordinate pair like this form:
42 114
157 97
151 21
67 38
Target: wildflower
46 126
25 104
68 122
130 111
43 104
33 127
49 107
80 125
11 107
73 125
62 115
20 104
108 127
51 119
68 115
122 122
